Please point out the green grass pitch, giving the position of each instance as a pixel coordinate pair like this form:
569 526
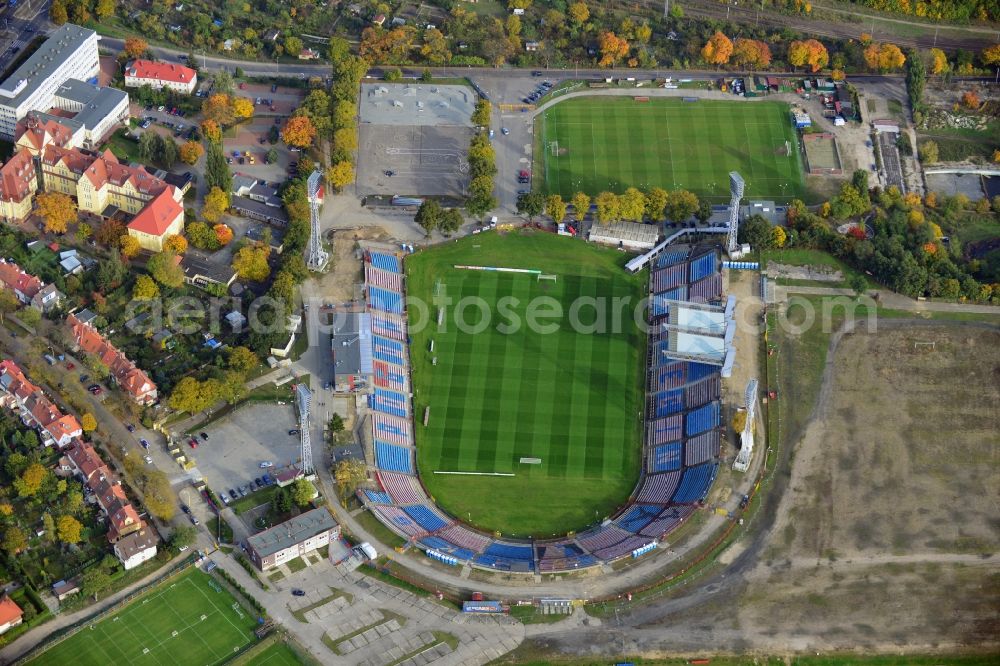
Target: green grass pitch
570 398
183 621
594 144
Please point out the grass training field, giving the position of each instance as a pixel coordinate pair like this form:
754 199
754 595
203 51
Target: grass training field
571 399
188 620
595 144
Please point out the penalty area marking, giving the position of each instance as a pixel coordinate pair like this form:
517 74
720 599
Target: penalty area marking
437 471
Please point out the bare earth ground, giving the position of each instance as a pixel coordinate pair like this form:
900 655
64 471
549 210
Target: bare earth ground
886 539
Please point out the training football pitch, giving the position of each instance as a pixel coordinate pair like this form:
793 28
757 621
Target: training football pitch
569 397
594 144
190 619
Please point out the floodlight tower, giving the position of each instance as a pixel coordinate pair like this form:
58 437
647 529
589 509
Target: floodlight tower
318 258
742 462
305 401
736 186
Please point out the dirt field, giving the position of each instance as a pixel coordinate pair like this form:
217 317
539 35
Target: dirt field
902 457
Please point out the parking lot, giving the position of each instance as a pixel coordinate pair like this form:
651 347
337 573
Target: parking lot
240 442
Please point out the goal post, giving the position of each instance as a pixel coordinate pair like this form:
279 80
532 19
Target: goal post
551 278
554 148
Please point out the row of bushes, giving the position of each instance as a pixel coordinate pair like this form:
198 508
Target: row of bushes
256 605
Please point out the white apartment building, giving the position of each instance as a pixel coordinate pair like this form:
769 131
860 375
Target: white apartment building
70 52
159 75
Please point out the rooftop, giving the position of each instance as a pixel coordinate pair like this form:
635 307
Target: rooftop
156 216
44 62
195 267
292 532
98 102
161 71
350 342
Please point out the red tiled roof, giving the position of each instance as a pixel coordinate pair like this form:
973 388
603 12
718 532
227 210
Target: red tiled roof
157 215
15 278
87 461
102 169
37 130
129 377
9 611
16 177
161 71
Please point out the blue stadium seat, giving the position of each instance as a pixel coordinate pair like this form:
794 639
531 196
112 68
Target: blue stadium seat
425 517
386 262
385 343
393 458
385 300
695 483
702 419
378 497
510 552
443 546
665 458
637 517
702 267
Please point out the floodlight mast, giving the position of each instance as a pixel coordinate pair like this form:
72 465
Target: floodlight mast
318 257
736 187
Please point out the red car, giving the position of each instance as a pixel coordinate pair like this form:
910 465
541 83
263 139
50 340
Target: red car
193 443
69 365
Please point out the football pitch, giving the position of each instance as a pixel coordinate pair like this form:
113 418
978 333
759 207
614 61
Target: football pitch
596 144
190 619
569 397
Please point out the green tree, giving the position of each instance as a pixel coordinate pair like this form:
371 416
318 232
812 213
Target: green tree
29 316
336 423
656 202
632 205
916 79
250 263
164 268
681 205
112 271
145 289
69 529
928 151
184 535
217 170
95 580
481 115
858 283
302 492
531 204
281 503
14 540
451 221
429 215
757 232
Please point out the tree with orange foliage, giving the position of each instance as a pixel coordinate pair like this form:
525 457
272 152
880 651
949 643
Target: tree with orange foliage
218 108
57 210
211 130
136 47
223 233
838 75
717 50
190 152
299 132
613 49
751 53
931 200
930 248
809 52
884 57
970 99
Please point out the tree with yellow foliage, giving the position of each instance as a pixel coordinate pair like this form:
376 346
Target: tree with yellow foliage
884 57
780 236
991 55
250 263
69 529
340 175
211 130
136 47
996 155
717 50
88 422
129 246
216 203
809 52
57 210
939 61
242 108
175 243
190 152
578 13
218 109
145 289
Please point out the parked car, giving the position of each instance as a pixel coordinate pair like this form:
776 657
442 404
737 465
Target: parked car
204 435
266 464
193 443
148 459
504 131
259 483
232 494
267 479
96 390
274 87
225 499
185 509
144 443
84 378
293 431
130 427
194 521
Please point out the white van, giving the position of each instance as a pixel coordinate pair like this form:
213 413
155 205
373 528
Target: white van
366 550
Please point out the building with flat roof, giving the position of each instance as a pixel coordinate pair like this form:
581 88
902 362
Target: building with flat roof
351 350
293 538
201 272
70 52
99 110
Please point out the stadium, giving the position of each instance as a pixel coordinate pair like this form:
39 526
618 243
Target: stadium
678 449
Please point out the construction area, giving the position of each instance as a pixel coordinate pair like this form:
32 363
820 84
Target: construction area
821 154
414 139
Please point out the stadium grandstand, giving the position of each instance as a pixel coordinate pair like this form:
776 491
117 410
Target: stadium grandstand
690 341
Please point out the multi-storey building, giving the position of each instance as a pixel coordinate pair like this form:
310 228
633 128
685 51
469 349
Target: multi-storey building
70 52
18 183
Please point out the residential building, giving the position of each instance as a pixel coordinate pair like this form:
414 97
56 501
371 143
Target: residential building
131 379
34 407
159 75
136 548
201 272
85 462
70 52
123 520
18 184
308 54
65 588
28 288
293 538
10 614
104 188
